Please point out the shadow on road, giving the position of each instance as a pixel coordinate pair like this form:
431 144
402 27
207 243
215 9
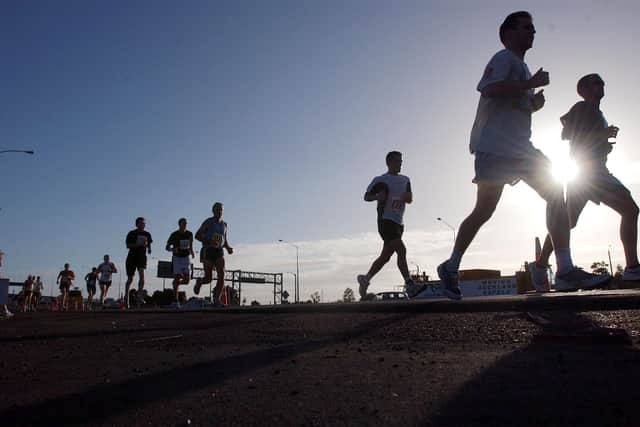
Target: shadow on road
564 378
89 405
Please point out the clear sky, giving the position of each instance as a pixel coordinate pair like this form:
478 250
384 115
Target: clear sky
284 111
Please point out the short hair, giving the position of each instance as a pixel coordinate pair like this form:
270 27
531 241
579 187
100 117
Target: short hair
140 218
66 264
216 204
391 155
586 81
511 22
182 220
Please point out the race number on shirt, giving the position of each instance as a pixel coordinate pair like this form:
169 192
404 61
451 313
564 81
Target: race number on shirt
142 240
216 240
185 244
396 205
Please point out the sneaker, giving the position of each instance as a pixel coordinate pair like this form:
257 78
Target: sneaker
218 304
539 278
412 289
197 286
449 282
631 274
364 285
577 278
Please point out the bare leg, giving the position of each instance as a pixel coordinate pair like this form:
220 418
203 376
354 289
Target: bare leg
622 203
487 198
385 255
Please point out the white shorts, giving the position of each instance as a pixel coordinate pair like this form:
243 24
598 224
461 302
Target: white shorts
181 265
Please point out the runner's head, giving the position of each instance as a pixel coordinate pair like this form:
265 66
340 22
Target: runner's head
217 210
591 87
93 269
182 223
394 161
106 258
140 223
66 266
517 30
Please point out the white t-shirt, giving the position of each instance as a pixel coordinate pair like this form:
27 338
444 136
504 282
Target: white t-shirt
392 208
105 269
503 124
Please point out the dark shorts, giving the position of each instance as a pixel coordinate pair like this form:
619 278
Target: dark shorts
91 288
37 295
107 283
65 287
593 184
134 262
389 230
211 255
535 170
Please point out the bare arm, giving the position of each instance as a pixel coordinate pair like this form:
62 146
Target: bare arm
513 88
226 242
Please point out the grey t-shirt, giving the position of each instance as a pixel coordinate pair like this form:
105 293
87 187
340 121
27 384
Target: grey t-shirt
393 207
503 124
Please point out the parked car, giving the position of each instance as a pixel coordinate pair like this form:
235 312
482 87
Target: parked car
391 295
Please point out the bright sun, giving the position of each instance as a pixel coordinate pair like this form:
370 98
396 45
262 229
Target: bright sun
564 169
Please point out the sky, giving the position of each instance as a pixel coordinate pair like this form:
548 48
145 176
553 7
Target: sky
284 111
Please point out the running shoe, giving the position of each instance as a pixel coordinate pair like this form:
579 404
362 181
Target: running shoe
631 274
364 285
449 282
218 304
197 286
412 289
577 278
539 278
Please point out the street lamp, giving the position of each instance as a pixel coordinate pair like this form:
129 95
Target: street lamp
297 290
610 264
295 281
17 151
448 225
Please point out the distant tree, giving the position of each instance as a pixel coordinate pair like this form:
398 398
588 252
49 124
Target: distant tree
600 267
348 295
315 297
254 302
244 301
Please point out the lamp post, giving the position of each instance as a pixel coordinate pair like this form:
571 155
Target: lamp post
17 151
297 289
610 264
295 281
448 225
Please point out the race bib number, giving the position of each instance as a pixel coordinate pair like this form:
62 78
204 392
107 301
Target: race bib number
185 244
397 205
216 240
142 240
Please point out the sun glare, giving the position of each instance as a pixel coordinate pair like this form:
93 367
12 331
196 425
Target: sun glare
563 168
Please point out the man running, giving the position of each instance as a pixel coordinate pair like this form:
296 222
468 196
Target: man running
90 279
38 290
27 293
105 270
504 154
213 235
65 279
180 243
392 191
139 244
588 133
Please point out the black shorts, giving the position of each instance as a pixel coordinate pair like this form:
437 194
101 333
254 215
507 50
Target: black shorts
107 283
91 288
65 287
211 255
135 262
389 230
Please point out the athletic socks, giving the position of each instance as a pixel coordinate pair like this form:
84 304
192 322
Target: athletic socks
564 261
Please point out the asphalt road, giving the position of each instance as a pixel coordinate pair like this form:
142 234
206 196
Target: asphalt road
551 360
